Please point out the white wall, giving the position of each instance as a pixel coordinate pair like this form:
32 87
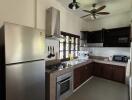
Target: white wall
120 15
131 17
114 21
17 11
23 12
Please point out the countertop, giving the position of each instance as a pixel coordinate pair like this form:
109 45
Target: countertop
77 63
110 62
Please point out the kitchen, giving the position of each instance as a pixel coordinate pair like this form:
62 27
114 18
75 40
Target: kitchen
77 72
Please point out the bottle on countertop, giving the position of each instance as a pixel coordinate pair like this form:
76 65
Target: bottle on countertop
110 58
71 57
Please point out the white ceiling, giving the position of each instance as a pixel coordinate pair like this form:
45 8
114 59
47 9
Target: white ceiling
112 6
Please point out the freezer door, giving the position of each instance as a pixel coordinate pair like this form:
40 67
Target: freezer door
25 81
23 43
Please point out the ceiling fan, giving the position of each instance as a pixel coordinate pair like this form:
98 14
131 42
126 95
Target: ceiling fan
74 5
95 12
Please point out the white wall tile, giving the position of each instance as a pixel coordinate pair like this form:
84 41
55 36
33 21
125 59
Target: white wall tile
107 52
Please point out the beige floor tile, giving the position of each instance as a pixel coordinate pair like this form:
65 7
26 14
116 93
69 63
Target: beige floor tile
101 89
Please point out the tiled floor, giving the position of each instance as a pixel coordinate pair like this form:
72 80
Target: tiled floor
101 89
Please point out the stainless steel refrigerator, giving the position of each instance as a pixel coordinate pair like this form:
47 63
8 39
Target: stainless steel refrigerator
22 64
130 68
130 77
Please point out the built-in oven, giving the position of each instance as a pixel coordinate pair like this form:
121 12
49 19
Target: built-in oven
64 86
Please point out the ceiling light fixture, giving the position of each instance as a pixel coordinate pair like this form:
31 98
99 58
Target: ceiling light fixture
74 5
92 17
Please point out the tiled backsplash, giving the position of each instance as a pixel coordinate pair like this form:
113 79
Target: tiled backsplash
107 52
52 42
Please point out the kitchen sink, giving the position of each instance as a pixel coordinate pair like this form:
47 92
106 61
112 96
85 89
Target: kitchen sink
75 62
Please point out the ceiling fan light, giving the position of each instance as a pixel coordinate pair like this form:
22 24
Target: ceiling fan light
74 7
92 17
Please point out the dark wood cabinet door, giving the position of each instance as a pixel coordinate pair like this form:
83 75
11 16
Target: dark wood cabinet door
89 70
95 37
82 74
86 72
97 71
118 37
77 77
107 71
90 36
84 35
119 74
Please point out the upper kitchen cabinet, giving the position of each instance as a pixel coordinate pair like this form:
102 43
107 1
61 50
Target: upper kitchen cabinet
95 37
83 40
92 37
84 35
118 37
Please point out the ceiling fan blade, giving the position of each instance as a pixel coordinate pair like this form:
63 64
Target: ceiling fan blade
85 16
103 13
101 8
87 11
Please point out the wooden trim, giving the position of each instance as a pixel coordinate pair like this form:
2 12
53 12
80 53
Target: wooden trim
64 45
69 34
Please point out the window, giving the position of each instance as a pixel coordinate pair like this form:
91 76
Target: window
69 46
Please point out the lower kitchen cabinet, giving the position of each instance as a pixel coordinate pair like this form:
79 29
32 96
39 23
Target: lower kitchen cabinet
119 74
84 74
77 77
97 70
110 72
81 74
107 71
89 70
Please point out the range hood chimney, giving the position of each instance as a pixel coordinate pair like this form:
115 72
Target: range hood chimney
53 23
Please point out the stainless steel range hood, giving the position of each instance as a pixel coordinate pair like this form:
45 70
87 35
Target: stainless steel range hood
53 23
